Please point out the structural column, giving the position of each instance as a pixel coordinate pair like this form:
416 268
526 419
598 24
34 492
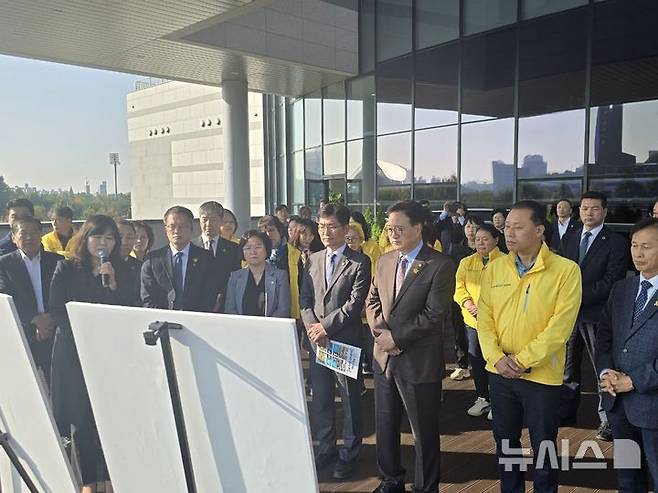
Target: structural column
237 194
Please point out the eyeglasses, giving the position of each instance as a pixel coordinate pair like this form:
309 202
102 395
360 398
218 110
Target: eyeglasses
395 229
329 227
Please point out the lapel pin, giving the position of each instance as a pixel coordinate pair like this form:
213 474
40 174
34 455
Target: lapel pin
656 303
194 261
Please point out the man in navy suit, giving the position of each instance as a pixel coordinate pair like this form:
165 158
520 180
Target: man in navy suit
179 276
603 258
25 275
627 357
16 209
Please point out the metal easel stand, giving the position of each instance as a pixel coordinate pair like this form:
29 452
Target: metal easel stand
4 442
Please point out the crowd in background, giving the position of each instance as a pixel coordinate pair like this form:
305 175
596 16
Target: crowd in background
525 298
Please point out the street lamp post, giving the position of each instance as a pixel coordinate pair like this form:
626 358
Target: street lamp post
114 161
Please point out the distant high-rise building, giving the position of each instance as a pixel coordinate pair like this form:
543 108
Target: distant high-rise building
503 175
87 187
102 188
608 136
533 166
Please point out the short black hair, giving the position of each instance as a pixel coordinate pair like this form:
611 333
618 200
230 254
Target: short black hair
341 212
64 211
361 219
475 220
647 222
593 194
212 207
254 233
498 211
149 232
538 211
21 202
412 209
125 222
424 203
565 200
280 207
491 229
179 209
24 221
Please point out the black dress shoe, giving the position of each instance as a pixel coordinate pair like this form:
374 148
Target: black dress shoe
343 469
324 460
389 487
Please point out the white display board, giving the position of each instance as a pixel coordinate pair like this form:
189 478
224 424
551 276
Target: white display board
25 414
242 392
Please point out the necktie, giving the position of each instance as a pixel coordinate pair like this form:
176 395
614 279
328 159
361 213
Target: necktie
583 247
178 280
211 247
641 300
399 276
330 267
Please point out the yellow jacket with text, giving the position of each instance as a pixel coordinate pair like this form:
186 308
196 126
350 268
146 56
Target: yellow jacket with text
293 270
530 317
51 243
467 285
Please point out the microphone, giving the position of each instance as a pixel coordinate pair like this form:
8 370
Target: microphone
105 278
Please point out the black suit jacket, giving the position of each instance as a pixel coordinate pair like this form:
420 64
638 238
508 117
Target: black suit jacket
201 283
555 233
15 281
415 317
6 245
228 258
605 263
632 348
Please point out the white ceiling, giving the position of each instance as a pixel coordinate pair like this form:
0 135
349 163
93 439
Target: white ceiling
132 36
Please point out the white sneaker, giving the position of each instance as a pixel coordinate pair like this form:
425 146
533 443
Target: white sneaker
490 415
460 374
480 407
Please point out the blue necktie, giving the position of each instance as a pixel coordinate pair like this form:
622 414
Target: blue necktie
641 300
178 280
583 247
330 267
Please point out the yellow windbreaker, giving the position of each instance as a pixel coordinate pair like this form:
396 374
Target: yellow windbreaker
51 243
530 317
467 285
293 270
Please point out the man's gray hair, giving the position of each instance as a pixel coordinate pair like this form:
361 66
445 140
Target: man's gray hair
211 207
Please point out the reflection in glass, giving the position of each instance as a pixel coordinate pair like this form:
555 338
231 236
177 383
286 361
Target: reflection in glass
436 86
297 180
333 113
367 36
552 63
487 163
488 63
629 197
482 15
552 145
393 28
394 96
536 8
436 22
297 123
314 163
435 165
393 160
313 119
624 134
334 159
550 191
361 107
361 172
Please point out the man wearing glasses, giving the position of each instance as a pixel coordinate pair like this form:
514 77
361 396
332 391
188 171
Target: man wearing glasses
409 301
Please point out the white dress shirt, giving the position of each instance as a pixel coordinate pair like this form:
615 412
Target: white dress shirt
33 266
651 291
595 232
563 227
206 243
186 256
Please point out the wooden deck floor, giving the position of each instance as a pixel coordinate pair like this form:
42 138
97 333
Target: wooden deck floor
468 461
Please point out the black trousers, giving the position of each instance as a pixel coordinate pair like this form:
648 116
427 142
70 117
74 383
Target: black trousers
513 402
634 480
461 341
421 402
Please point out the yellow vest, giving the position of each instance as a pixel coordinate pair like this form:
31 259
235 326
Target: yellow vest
51 243
531 317
467 285
293 270
372 250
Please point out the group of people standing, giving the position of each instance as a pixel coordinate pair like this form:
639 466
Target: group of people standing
521 319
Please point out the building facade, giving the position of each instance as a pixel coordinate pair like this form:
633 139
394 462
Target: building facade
483 101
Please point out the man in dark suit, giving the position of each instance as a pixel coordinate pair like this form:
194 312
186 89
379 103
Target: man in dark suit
226 254
25 275
179 276
16 209
627 359
334 289
409 300
565 223
603 257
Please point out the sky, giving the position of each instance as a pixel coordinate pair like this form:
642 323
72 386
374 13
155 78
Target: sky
58 124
